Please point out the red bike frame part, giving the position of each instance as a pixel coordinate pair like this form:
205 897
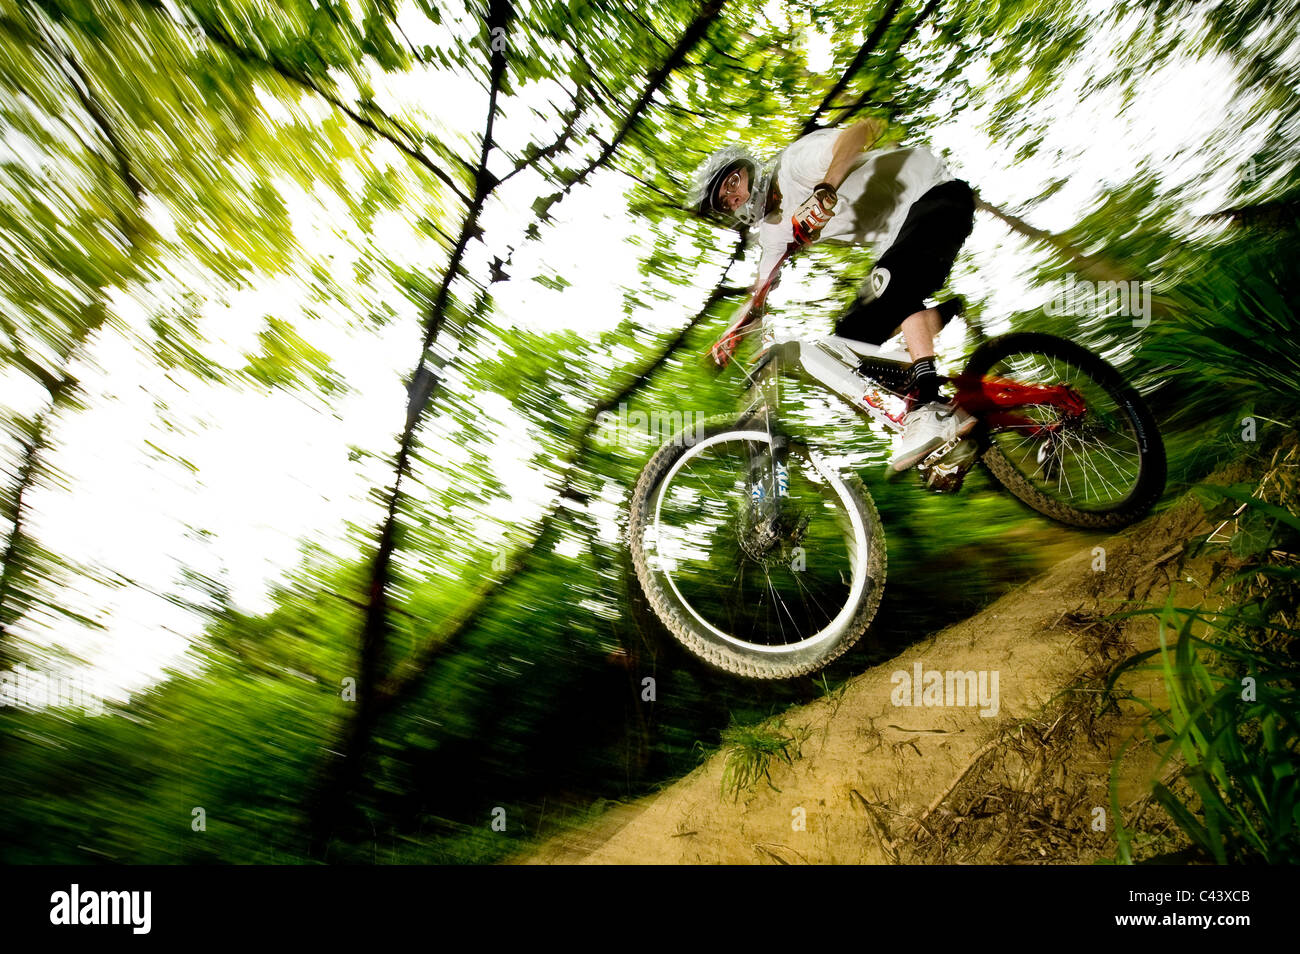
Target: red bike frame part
992 398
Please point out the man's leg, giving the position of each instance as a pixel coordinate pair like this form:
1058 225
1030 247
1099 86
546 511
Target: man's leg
919 331
914 266
930 425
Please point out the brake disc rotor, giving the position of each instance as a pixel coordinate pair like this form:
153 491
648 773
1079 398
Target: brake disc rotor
768 537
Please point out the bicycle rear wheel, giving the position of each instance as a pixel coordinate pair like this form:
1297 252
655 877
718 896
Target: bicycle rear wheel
756 582
1099 467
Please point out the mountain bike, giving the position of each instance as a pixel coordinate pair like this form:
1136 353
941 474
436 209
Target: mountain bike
765 558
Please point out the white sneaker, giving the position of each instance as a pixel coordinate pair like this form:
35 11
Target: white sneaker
926 429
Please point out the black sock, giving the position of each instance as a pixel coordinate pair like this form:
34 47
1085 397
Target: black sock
924 380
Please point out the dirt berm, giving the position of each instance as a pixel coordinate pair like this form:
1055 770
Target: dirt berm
870 781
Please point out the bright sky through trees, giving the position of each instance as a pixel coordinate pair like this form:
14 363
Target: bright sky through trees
150 506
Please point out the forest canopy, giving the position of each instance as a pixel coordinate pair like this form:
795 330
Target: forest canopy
314 314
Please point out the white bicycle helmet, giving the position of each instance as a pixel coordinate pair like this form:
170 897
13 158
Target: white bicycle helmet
703 192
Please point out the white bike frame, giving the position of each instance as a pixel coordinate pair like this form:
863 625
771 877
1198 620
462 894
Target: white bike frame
831 362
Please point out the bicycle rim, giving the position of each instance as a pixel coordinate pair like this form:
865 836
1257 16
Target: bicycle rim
759 578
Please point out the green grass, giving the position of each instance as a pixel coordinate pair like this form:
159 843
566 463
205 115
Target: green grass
750 750
1231 726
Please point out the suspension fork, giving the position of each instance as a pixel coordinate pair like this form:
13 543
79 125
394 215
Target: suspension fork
768 473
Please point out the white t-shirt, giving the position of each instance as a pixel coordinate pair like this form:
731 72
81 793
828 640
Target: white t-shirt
873 198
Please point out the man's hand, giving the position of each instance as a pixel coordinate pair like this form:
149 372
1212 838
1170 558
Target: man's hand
813 215
725 347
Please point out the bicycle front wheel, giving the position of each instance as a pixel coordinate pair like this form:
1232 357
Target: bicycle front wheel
763 570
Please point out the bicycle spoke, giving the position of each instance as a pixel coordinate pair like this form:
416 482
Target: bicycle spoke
1089 462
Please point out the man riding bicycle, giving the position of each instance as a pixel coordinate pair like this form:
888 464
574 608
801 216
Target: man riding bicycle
825 186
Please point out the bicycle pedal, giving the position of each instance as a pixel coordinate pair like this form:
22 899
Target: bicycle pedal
944 469
939 453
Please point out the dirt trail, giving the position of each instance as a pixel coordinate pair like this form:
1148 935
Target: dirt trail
875 782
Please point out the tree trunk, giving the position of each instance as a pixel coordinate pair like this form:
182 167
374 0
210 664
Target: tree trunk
63 387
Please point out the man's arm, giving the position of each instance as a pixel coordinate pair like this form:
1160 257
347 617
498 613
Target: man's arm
725 346
849 146
818 208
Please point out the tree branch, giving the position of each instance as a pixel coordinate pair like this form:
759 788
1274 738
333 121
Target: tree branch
63 386
853 109
1276 212
867 48
218 34
81 86
697 29
634 15
402 685
340 775
1093 266
570 118
651 186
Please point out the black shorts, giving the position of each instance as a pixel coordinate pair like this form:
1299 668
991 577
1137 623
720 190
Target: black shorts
916 265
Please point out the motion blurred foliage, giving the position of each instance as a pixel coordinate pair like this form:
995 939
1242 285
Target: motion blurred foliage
475 643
